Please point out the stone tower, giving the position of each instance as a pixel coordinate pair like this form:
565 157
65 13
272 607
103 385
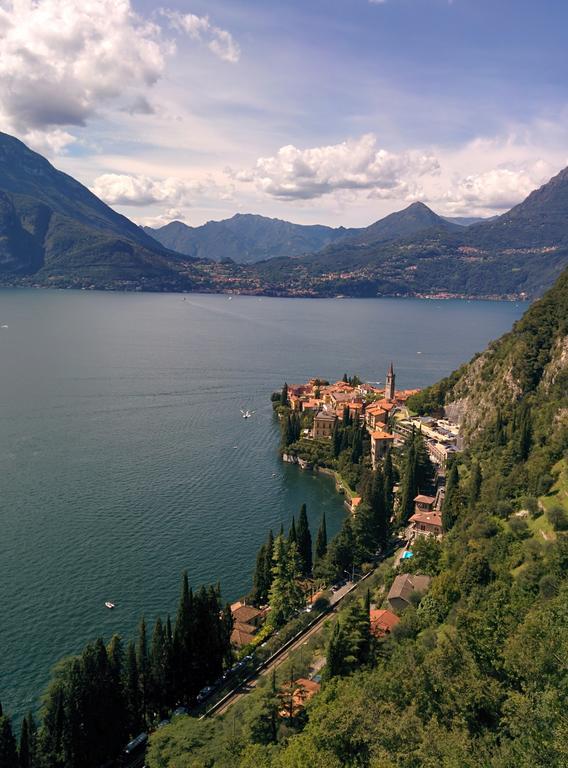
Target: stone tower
389 384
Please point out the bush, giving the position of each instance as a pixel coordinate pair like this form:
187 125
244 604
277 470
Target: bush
545 483
558 518
519 527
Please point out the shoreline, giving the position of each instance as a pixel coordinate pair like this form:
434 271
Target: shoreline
443 296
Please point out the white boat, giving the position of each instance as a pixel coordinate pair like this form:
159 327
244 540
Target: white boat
108 604
246 414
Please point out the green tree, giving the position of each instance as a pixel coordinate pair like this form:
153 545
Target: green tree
304 539
285 594
321 540
183 646
452 506
284 396
474 484
8 751
132 692
142 662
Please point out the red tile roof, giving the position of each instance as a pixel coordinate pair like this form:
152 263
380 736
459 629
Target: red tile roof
382 622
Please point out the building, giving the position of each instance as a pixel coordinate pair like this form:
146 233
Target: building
389 385
380 444
423 503
295 696
324 423
425 523
382 622
375 417
404 585
246 622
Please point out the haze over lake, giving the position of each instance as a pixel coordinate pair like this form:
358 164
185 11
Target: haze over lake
125 459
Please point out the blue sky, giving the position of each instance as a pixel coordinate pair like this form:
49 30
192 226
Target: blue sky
328 111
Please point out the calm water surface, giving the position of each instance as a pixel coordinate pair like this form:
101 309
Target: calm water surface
124 458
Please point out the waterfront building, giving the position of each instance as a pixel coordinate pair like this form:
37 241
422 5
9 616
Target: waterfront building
324 421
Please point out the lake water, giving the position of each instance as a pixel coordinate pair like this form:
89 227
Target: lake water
124 458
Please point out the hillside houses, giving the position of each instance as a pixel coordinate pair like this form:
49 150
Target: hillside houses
366 403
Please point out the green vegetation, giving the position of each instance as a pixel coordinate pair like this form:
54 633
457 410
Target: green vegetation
99 699
475 672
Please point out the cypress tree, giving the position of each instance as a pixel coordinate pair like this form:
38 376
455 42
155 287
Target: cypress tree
388 473
269 552
321 540
24 751
8 751
408 488
158 669
346 417
292 534
304 542
259 586
184 642
115 707
284 395
474 484
336 440
132 691
452 499
143 669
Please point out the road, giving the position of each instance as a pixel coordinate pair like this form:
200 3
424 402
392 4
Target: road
282 655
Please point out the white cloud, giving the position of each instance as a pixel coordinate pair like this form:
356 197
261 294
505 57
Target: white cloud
141 190
352 165
494 191
218 40
61 60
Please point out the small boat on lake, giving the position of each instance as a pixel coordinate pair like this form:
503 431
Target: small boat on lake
108 604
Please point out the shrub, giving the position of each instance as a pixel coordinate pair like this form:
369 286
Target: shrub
558 518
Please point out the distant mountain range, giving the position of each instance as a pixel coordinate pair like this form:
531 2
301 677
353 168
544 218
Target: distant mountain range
248 238
245 238
54 231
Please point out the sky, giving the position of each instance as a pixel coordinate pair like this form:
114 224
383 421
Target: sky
333 112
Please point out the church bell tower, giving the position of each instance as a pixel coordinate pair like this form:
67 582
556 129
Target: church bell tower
389 384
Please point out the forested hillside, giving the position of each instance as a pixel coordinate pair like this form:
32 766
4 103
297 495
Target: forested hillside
475 672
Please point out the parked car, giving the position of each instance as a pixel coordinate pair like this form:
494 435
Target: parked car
204 693
180 711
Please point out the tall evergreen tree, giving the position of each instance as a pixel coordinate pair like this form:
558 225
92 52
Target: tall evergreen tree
474 484
388 473
143 670
259 584
24 757
321 540
184 657
158 670
452 505
304 538
132 691
8 751
285 594
408 489
292 534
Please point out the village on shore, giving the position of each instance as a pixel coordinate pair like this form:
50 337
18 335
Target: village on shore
384 416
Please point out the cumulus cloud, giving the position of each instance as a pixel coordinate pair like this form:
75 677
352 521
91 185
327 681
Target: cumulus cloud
140 190
60 60
218 40
352 165
495 190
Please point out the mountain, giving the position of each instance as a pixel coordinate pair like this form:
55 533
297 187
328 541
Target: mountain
518 254
245 238
53 227
401 224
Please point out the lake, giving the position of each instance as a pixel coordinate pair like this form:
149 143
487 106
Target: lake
125 458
